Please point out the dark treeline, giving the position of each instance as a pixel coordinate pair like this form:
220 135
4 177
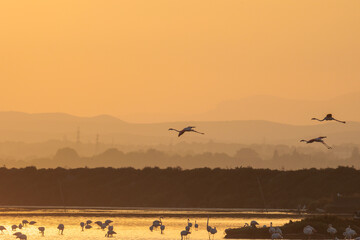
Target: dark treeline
244 157
173 187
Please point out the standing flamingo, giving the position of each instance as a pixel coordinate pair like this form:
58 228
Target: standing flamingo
319 139
331 230
82 225
157 223
328 117
42 230
162 228
309 230
61 228
187 129
184 234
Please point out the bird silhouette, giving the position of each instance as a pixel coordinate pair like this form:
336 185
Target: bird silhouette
42 230
318 139
187 129
328 117
61 228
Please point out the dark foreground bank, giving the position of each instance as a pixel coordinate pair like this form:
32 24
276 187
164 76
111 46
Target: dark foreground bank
173 187
294 230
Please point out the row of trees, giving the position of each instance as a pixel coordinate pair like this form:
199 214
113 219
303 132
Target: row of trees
245 157
174 187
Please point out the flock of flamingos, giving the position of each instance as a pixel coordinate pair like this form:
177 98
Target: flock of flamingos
328 117
275 232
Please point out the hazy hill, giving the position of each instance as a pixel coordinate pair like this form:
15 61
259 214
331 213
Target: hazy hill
15 126
268 108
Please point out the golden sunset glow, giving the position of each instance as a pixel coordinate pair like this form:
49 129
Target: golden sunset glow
164 57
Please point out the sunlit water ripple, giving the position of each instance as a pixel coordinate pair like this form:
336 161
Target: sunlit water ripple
131 224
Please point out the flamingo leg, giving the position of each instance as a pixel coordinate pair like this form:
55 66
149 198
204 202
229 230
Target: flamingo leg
197 132
339 120
326 145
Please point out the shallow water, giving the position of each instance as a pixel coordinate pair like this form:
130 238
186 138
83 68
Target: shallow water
132 224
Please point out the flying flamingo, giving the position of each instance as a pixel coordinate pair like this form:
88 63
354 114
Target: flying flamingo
187 129
319 139
328 117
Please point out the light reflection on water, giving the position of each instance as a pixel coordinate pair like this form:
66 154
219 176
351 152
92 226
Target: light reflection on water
131 225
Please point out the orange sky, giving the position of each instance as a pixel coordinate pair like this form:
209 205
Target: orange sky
123 57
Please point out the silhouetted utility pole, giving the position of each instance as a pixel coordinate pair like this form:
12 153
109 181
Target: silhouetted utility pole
96 143
78 136
261 192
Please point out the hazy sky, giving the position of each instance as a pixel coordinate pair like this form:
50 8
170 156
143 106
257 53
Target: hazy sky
123 57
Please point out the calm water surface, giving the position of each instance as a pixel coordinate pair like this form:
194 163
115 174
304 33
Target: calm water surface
132 224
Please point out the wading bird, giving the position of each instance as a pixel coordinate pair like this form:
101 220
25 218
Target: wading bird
196 226
110 233
108 222
328 117
82 225
271 229
211 230
253 223
42 230
187 129
162 228
157 223
331 230
309 230
319 139
2 228
184 234
276 236
32 222
61 228
22 237
349 233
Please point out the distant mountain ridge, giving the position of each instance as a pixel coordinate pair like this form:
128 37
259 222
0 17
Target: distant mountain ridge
17 126
269 108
